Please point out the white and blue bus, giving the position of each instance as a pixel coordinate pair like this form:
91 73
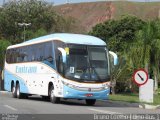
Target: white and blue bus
62 65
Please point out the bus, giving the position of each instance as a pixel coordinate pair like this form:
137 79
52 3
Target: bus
59 66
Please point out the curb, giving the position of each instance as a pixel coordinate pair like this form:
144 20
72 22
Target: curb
140 105
147 106
123 103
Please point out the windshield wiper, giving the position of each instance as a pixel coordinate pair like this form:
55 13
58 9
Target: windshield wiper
93 68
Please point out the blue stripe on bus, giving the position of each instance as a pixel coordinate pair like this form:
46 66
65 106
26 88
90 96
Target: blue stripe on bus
8 79
76 94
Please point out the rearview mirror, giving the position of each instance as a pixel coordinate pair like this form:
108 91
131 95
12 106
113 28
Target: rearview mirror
64 54
115 57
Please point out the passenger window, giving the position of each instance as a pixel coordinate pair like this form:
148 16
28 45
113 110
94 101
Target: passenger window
40 52
48 52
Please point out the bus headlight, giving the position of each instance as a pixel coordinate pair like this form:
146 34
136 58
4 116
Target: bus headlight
69 85
105 86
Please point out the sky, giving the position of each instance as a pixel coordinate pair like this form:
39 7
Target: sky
77 1
57 2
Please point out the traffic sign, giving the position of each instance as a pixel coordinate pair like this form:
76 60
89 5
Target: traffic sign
140 77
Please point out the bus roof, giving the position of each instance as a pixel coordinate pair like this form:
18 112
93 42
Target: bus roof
66 38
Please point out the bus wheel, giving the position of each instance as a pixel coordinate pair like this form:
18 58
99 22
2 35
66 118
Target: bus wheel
53 99
14 94
90 102
19 94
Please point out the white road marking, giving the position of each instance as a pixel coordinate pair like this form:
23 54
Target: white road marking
104 111
12 108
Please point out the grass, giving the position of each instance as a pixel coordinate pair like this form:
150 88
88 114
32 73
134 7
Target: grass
159 91
133 98
157 100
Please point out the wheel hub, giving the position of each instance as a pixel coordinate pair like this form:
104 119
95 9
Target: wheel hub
13 89
52 94
18 92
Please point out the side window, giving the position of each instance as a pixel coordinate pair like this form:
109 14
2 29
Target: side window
48 52
36 52
49 55
33 53
23 54
29 51
40 52
14 55
8 56
18 55
11 55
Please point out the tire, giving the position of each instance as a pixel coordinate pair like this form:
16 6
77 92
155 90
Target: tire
90 102
53 99
19 94
24 95
46 98
14 93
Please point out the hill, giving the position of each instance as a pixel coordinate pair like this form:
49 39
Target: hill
88 15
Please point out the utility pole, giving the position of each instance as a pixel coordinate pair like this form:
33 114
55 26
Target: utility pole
24 25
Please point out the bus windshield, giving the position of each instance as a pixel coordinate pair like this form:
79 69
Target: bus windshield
87 64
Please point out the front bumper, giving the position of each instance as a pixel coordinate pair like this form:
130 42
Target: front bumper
77 94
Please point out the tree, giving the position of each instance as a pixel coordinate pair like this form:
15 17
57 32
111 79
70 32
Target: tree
144 52
151 37
40 14
137 42
39 32
119 36
3 45
118 33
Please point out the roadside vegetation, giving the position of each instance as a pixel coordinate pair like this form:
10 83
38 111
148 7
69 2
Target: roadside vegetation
137 43
132 98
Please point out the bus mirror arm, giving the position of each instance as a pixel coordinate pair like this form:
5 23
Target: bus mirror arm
115 62
63 61
60 65
64 54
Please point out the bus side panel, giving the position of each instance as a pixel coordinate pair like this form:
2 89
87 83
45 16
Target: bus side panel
9 77
7 80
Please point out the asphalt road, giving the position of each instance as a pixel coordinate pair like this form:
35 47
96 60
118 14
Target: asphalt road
36 105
